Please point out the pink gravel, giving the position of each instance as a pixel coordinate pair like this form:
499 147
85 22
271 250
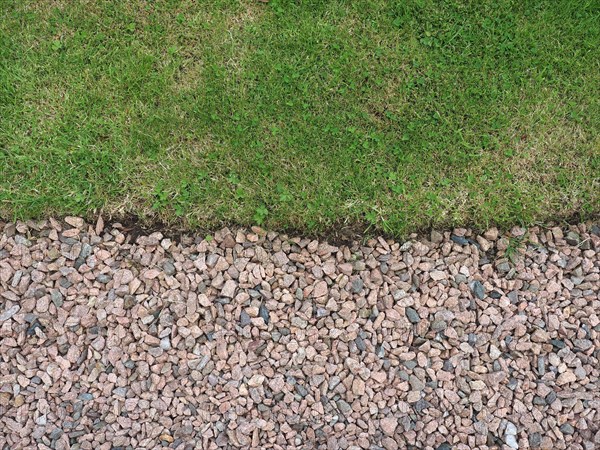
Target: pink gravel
258 340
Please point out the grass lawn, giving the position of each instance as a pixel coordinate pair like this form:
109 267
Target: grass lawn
305 114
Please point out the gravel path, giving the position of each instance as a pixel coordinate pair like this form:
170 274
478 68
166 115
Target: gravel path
258 340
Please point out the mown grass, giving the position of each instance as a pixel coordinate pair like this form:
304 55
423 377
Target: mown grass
301 114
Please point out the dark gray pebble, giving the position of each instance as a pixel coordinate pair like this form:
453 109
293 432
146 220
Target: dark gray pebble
412 315
535 440
567 428
357 285
244 319
360 343
264 313
103 278
478 289
169 268
57 298
459 240
301 390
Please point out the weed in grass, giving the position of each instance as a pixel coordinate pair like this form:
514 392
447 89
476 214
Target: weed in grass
260 214
516 245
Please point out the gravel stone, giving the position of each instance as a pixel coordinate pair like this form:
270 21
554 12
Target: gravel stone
301 390
460 278
503 266
8 313
101 278
439 325
436 237
566 378
320 289
76 222
478 289
229 289
388 425
459 240
244 319
86 397
264 313
495 295
510 435
572 238
357 285
412 315
416 384
344 407
169 268
260 340
438 275
360 344
57 298
535 440
513 296
567 428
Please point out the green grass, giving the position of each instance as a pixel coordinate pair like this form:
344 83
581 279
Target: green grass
303 114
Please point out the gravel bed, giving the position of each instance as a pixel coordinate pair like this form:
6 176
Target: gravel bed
256 340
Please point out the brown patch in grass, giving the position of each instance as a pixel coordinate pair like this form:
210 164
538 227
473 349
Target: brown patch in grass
550 164
43 7
537 153
390 99
185 158
251 12
235 24
189 75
